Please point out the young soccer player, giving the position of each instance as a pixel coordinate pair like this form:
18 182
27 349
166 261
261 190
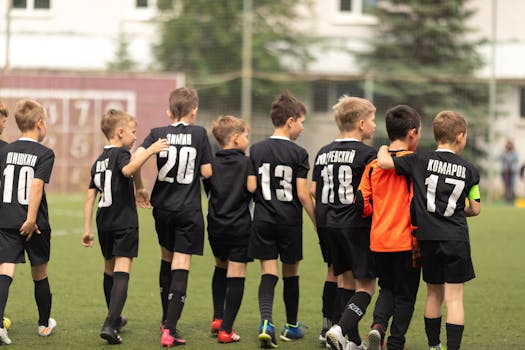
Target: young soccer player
386 196
117 220
229 222
4 113
282 192
26 167
176 200
443 181
338 170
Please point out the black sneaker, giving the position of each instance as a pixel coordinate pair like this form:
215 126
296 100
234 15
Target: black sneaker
111 335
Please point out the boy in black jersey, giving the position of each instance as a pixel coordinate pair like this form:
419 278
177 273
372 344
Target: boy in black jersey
176 200
442 182
4 113
229 222
338 170
25 166
282 192
117 220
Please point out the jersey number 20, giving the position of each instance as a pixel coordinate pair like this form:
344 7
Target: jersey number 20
186 168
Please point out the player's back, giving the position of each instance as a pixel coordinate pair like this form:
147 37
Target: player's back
20 162
278 162
178 181
116 207
228 210
338 169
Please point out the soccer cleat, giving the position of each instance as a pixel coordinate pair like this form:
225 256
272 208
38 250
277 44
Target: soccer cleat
353 346
4 338
169 339
375 338
225 337
123 321
44 331
292 331
336 339
437 347
111 335
267 335
216 326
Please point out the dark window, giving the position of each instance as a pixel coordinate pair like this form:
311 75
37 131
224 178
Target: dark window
522 102
345 5
320 103
349 89
42 4
19 4
369 6
142 3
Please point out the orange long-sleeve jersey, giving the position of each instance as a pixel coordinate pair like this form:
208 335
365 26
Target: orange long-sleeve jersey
386 196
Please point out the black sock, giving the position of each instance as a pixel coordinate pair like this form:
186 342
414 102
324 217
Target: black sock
5 282
353 333
266 293
43 299
119 294
454 335
354 311
433 329
108 284
338 305
164 284
234 293
176 297
329 293
291 298
218 291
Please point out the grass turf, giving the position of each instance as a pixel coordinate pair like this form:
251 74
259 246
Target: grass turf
493 301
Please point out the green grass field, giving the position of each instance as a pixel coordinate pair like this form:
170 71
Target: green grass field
494 301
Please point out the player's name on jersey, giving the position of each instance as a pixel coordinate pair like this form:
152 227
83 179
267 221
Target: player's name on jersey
102 165
21 159
335 157
179 139
445 168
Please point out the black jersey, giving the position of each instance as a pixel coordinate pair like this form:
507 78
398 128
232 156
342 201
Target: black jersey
116 207
229 216
337 172
177 185
2 143
442 181
21 162
278 162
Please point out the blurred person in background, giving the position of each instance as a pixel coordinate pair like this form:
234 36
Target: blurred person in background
509 169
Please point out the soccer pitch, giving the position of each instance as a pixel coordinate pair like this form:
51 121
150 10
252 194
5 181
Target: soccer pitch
494 301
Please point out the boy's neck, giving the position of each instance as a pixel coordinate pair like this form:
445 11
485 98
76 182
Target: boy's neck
354 134
449 146
115 142
281 132
31 134
398 145
187 119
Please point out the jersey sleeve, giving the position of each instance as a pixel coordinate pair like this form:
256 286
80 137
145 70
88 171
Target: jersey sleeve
473 192
45 166
303 166
364 192
123 158
316 173
405 165
149 140
207 155
251 167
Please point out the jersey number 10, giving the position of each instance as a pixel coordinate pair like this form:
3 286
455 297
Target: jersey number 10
25 177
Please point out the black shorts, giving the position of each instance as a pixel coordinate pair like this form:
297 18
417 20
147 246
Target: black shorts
13 245
324 244
396 272
236 253
269 241
180 231
351 252
124 242
446 262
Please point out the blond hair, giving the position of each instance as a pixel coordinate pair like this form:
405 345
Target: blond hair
226 126
28 113
447 125
4 112
349 110
113 119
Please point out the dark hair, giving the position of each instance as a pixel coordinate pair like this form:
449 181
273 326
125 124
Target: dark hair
447 126
112 119
400 120
183 101
28 113
285 106
226 126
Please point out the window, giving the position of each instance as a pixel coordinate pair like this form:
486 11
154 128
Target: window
357 7
141 3
368 6
30 5
19 4
345 5
42 4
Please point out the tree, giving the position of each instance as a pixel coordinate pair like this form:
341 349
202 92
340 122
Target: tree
203 39
123 61
423 55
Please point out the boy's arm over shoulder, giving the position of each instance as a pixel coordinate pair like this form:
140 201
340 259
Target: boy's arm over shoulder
87 237
384 159
140 157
